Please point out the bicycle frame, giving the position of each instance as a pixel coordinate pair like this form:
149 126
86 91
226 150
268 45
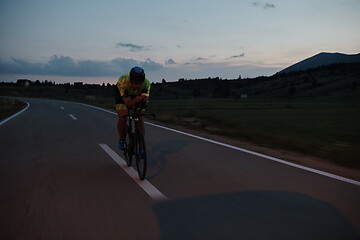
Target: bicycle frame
136 142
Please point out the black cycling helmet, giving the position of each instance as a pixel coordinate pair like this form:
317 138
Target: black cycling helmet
137 75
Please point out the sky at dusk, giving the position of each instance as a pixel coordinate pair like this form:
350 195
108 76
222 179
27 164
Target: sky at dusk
97 41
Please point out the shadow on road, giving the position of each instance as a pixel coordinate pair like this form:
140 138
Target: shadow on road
157 155
252 215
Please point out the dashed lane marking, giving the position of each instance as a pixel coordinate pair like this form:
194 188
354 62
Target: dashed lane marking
73 117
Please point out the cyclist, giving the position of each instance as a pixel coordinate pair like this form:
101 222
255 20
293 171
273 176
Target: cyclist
132 90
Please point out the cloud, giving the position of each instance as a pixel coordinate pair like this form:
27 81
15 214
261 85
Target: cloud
133 47
66 66
170 61
194 61
149 65
199 59
238 56
269 5
263 5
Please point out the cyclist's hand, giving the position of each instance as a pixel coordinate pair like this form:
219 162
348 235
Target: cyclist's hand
137 99
144 98
128 102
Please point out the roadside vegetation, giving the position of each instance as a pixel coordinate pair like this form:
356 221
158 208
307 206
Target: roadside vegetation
9 107
316 112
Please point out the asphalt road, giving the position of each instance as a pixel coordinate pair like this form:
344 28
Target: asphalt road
62 177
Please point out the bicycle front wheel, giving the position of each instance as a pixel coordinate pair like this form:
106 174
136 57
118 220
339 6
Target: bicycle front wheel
128 157
129 151
140 155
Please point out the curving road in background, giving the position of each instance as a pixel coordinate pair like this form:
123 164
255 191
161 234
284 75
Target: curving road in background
62 177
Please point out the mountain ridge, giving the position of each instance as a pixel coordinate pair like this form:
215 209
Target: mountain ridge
322 59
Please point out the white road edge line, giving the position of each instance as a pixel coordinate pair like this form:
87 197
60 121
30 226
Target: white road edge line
14 115
152 191
264 156
73 117
330 175
62 108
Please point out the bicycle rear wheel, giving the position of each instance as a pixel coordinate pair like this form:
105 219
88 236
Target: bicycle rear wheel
140 155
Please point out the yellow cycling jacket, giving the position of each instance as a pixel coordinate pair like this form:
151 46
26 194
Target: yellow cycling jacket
126 90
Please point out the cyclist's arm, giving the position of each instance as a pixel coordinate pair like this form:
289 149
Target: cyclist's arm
146 90
131 102
121 85
127 101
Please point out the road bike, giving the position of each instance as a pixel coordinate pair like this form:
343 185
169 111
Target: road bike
135 142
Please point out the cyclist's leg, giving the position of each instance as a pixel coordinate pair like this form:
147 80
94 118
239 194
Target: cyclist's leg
121 124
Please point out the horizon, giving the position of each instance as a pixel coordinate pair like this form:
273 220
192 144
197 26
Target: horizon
49 80
64 42
282 72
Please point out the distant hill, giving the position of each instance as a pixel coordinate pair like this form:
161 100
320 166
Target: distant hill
338 80
322 59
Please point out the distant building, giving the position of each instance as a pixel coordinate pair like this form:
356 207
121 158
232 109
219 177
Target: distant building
23 82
